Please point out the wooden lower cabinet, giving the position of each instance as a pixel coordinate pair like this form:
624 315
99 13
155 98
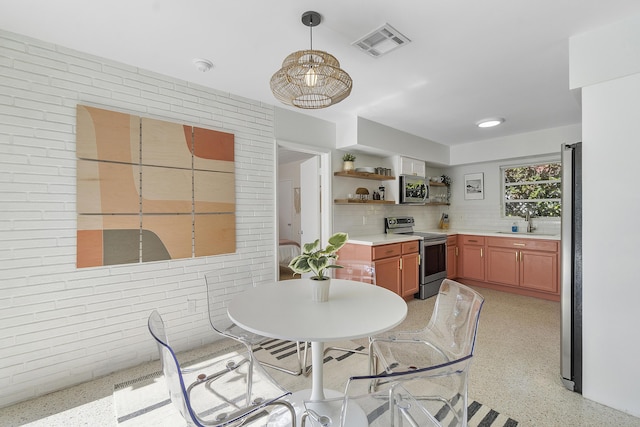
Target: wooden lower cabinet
396 265
539 270
410 271
525 263
452 257
388 274
503 266
524 266
472 264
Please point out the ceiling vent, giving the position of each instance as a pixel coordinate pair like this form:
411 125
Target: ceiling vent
381 41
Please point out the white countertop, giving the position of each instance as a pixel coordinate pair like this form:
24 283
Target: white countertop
382 239
519 235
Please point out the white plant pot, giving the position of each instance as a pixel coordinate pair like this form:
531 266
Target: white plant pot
320 290
348 166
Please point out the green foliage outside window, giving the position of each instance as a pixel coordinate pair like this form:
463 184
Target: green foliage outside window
534 188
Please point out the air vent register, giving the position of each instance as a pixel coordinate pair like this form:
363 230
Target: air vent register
381 41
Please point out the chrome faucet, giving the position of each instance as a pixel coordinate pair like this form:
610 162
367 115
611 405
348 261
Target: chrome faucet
529 220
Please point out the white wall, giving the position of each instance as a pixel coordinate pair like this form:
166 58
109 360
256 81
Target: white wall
611 131
60 325
360 134
531 144
605 54
301 128
291 172
487 214
611 293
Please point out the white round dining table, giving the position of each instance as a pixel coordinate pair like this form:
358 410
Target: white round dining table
284 310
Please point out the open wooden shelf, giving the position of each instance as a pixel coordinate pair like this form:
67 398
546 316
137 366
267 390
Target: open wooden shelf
364 175
437 184
362 202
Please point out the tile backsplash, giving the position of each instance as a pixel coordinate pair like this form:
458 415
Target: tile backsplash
367 219
489 218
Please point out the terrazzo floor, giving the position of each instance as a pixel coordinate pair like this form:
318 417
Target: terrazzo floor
515 371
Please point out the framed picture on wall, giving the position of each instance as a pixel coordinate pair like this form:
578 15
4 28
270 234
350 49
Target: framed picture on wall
474 186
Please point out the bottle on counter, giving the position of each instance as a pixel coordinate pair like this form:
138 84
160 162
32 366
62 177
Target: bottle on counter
514 228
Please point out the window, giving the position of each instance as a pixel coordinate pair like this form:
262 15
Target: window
533 188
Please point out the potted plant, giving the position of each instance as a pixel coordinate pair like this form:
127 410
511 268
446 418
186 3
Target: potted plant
317 260
347 162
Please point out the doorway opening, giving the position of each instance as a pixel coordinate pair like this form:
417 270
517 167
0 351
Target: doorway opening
302 200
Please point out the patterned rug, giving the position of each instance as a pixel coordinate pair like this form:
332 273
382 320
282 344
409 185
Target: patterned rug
144 401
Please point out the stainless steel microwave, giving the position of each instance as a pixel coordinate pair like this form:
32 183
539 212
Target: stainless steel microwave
414 190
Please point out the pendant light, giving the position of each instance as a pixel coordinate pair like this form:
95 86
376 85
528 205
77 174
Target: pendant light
311 79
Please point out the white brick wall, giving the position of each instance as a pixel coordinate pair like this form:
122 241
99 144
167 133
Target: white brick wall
58 325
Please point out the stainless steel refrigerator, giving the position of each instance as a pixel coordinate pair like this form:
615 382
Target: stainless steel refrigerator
571 279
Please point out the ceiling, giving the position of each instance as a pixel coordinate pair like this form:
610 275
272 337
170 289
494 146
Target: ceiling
467 59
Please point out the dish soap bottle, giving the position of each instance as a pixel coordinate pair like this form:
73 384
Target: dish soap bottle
514 228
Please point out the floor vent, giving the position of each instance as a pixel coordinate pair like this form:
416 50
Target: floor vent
381 41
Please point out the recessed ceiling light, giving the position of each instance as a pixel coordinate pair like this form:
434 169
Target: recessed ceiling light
489 123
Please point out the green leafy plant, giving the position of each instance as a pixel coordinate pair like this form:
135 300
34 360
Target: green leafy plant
348 157
317 260
446 179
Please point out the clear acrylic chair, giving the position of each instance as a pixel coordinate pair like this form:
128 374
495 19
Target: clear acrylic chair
417 398
359 271
219 398
448 340
222 286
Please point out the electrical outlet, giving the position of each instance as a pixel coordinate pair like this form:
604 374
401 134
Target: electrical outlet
364 220
191 305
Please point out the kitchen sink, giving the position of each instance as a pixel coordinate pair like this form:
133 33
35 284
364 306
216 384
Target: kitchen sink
525 234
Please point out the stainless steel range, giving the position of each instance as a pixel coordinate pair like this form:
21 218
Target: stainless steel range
433 253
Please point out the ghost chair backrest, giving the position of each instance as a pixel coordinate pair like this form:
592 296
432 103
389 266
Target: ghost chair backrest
455 317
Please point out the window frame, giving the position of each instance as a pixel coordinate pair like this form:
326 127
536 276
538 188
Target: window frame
536 162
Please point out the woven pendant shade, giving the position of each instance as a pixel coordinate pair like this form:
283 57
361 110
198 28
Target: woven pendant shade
291 86
310 78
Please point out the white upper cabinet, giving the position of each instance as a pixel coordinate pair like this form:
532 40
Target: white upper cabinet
409 166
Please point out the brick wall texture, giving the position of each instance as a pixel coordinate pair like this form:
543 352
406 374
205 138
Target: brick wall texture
59 325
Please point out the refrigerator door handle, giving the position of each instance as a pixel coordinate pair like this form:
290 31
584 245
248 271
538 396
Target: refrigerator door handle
565 283
571 265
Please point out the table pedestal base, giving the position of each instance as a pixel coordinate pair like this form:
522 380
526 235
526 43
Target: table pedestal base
355 415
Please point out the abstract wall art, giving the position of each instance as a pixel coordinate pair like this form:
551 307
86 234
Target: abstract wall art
150 190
